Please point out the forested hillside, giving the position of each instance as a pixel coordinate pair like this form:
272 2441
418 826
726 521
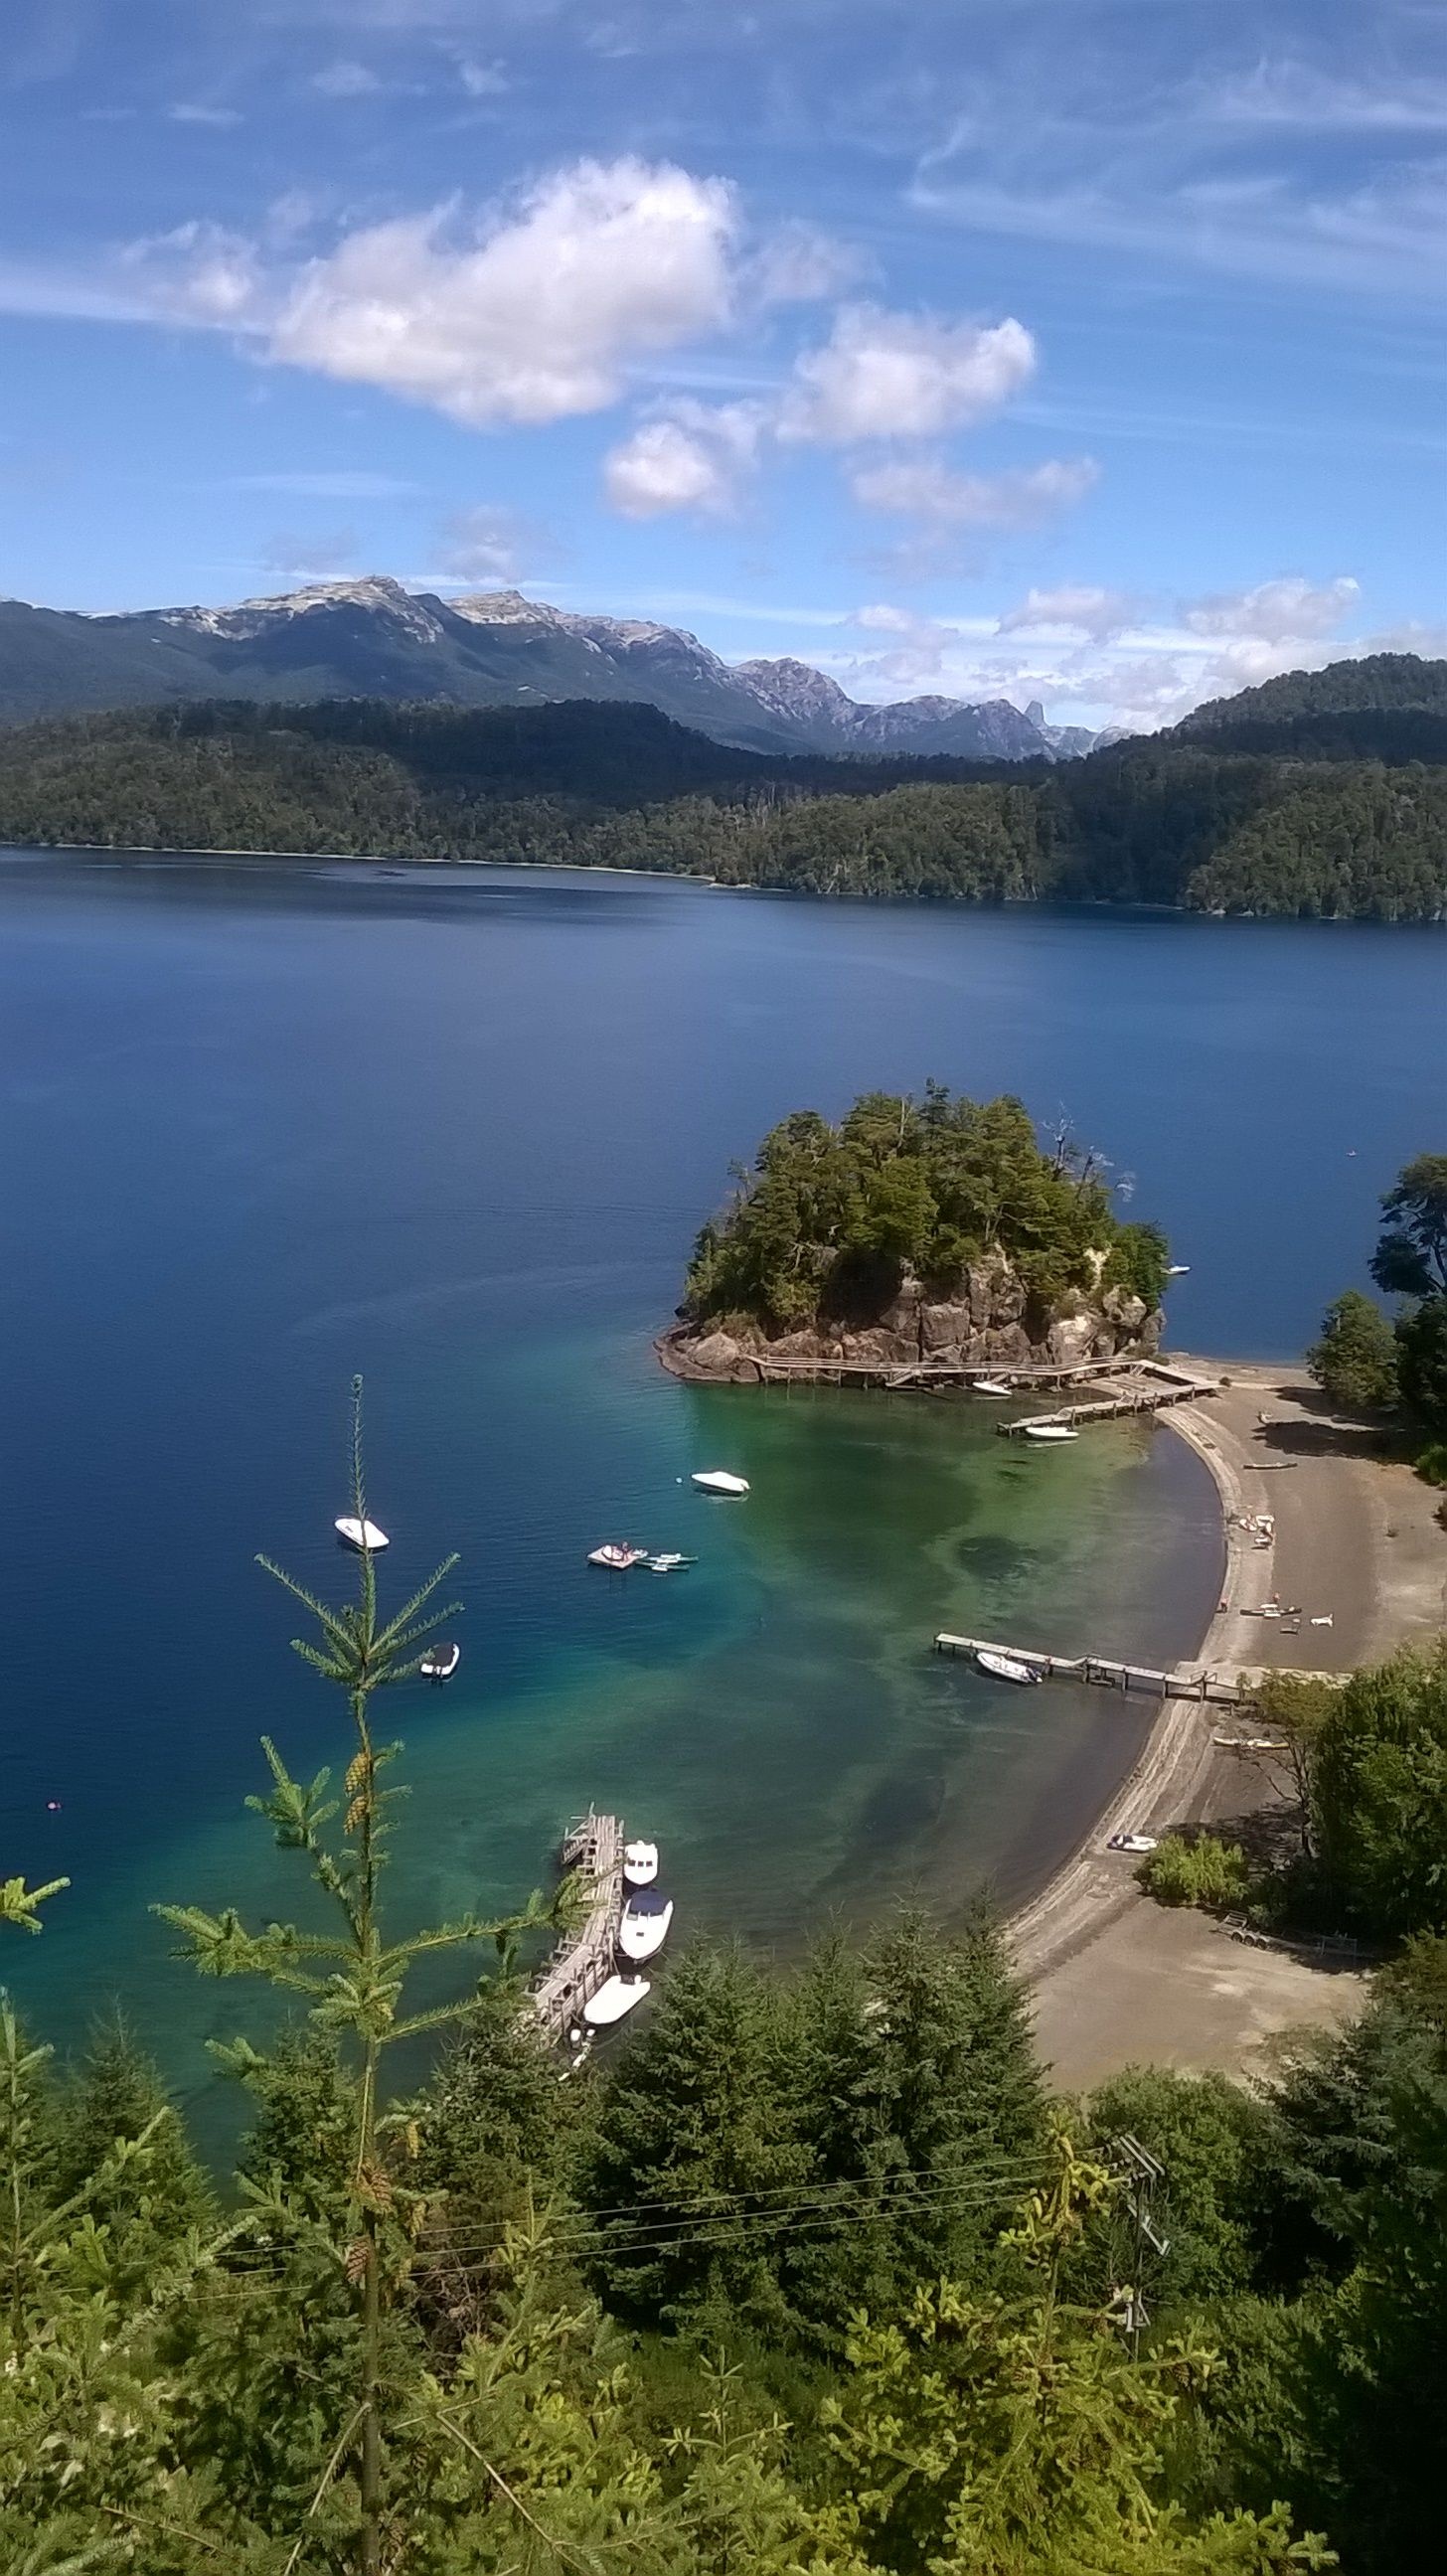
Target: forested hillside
1162 821
1387 706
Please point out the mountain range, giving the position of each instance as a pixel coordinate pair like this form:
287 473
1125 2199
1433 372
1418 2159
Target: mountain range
372 639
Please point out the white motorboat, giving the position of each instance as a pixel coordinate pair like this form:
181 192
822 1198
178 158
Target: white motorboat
987 1386
613 1999
1050 1433
616 1556
1004 1668
644 1927
717 1480
361 1534
640 1864
669 1562
1178 1270
440 1661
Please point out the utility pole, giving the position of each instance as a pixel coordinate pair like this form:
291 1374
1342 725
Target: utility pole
1144 2177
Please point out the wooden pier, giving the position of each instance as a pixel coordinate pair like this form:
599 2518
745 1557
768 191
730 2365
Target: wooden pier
933 1373
1172 1387
593 1847
1215 1688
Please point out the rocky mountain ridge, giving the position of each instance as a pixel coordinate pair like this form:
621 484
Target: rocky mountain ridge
370 637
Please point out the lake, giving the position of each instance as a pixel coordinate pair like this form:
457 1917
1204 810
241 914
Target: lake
268 1123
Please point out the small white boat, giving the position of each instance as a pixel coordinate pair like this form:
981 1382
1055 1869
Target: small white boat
616 1556
1178 1270
361 1534
440 1661
987 1386
717 1480
613 1999
669 1562
1004 1668
1051 1433
644 1927
640 1864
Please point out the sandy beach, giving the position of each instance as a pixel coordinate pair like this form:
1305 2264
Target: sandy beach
1116 1978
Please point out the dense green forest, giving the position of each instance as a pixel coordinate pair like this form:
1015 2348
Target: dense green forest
812 2278
1396 1366
1385 706
830 1217
1353 827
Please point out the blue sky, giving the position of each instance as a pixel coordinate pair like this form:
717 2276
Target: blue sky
1087 349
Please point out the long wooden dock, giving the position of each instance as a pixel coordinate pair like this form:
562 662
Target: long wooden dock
593 1846
1172 1387
1217 1689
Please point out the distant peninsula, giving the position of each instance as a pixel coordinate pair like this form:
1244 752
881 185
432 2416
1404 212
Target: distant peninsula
937 1230
1322 795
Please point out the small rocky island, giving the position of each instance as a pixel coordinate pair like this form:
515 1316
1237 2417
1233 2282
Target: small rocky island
935 1230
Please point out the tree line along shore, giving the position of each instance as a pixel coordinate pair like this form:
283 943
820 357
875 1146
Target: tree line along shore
1324 796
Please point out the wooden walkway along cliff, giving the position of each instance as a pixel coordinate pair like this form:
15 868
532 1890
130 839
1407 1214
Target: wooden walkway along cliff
924 1372
1174 1388
593 1846
1216 1688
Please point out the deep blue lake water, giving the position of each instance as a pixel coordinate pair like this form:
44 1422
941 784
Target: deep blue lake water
268 1123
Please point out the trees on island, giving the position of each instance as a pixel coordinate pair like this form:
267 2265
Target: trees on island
831 1217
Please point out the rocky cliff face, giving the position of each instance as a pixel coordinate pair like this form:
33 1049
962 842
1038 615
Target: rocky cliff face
991 1320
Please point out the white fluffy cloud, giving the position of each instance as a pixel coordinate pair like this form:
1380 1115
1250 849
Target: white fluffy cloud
1276 611
693 458
926 489
900 375
533 318
1079 608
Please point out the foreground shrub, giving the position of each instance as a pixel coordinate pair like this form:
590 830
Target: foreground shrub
1202 1871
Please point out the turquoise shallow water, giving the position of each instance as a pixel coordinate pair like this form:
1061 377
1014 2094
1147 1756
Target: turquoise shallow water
266 1126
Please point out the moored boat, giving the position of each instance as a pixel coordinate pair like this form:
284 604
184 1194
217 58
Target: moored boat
644 1925
640 1864
987 1386
440 1661
1050 1434
361 1534
1004 1668
615 1997
617 1556
669 1562
717 1480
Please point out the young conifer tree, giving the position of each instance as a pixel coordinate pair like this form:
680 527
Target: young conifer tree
353 1976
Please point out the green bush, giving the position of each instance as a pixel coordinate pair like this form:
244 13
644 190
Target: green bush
1432 1465
1203 1871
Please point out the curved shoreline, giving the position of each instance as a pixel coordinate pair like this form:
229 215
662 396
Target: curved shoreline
1115 1979
1171 1767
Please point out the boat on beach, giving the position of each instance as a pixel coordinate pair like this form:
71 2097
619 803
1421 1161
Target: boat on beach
644 1925
1049 1434
1004 1668
440 1661
616 1556
615 1997
362 1535
640 1864
717 1480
